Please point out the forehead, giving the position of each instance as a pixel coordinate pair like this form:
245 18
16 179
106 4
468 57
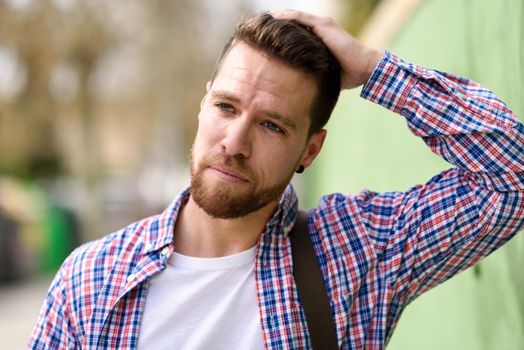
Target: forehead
253 76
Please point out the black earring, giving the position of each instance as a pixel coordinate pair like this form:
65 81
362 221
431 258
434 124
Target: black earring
300 169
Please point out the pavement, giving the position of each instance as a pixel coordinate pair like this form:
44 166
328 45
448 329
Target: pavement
19 306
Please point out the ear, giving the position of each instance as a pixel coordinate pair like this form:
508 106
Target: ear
313 147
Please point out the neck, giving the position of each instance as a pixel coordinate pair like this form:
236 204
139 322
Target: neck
200 235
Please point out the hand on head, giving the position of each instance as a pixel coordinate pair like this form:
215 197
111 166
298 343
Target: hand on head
356 59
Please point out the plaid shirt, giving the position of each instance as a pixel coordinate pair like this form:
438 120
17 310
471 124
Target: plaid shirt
377 251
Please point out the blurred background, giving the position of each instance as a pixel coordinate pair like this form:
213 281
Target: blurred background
98 106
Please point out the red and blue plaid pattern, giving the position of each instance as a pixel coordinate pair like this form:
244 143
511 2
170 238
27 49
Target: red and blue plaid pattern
377 251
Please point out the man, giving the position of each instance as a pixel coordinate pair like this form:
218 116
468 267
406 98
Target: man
214 271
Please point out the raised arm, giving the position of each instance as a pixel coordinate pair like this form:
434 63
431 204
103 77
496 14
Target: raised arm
427 234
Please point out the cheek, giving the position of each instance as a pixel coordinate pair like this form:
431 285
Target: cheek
200 146
208 133
276 164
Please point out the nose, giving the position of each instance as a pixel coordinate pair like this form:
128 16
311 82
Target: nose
237 138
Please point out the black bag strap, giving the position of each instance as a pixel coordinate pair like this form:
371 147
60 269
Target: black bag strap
311 289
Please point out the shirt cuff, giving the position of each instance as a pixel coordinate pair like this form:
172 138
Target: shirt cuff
391 82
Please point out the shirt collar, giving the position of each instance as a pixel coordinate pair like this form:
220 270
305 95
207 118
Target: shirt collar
160 228
283 218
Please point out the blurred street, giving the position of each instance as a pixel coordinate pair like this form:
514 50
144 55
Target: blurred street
19 306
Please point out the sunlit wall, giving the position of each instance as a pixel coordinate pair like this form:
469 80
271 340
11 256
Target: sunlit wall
369 147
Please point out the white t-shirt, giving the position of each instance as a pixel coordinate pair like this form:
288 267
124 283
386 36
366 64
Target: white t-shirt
203 303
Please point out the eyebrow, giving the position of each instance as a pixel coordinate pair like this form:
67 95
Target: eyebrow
283 119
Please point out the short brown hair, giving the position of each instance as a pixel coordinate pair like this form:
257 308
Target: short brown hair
297 46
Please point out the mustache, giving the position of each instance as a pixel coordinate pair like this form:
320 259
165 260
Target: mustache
233 163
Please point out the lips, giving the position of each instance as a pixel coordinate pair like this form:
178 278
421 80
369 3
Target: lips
228 172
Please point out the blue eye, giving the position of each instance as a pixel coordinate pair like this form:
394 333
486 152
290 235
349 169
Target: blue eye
273 127
226 107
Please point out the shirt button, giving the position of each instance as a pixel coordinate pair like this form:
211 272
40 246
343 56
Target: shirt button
131 277
149 246
165 251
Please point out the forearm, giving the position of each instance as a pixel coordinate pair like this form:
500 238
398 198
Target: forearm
459 119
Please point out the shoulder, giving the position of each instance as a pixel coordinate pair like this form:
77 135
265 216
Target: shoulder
112 246
90 265
73 294
336 205
337 219
343 223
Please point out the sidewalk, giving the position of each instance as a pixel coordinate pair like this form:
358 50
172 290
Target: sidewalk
19 306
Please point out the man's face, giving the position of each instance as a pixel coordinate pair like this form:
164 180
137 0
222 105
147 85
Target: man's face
252 134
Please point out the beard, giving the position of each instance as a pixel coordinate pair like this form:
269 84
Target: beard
224 200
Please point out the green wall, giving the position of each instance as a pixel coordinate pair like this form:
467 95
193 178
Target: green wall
369 147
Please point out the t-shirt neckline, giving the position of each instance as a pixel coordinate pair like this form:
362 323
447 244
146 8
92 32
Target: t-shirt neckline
220 263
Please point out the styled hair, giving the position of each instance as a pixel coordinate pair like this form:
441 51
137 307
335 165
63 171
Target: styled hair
298 47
